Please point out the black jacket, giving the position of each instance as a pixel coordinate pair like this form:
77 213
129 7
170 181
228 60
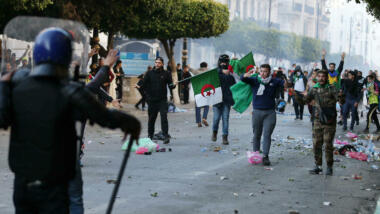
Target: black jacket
340 67
226 81
351 89
186 83
155 84
41 110
119 79
95 86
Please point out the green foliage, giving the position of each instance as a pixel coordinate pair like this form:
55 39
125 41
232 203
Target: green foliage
373 7
245 36
29 5
172 19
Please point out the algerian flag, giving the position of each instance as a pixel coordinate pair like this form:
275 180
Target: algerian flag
243 65
242 92
207 89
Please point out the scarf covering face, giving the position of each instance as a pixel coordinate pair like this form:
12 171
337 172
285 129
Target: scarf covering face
318 85
263 82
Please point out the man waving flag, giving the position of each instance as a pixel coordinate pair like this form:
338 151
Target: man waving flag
207 90
242 92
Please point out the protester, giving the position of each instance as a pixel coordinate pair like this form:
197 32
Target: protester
351 91
42 151
222 110
155 85
179 76
185 84
281 91
333 75
299 82
360 79
373 100
140 88
325 97
203 68
118 70
310 84
264 116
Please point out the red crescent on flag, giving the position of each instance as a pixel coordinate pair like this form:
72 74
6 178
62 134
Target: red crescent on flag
206 86
249 67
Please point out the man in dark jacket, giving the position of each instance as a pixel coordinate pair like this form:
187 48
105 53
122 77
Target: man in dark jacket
41 109
222 110
186 84
299 82
264 116
351 91
155 85
118 70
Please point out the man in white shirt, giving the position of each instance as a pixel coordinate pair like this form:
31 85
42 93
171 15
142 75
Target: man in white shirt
299 81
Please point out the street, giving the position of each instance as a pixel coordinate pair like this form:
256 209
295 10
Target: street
195 179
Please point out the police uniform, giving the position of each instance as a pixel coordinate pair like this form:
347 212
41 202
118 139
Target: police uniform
41 108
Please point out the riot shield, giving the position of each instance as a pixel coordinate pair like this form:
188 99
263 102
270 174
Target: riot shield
20 33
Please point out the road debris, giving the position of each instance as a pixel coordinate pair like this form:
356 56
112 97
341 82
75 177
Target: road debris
327 203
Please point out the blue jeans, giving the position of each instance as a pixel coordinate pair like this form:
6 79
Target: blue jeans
347 108
221 110
198 113
76 192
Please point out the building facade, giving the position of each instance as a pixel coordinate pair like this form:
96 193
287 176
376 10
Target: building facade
304 17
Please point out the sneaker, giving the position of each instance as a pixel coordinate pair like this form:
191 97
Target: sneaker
166 140
340 123
329 171
316 171
199 124
266 161
296 118
137 107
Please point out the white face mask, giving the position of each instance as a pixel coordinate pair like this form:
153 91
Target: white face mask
298 73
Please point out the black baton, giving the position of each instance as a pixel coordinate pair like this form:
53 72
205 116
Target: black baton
119 177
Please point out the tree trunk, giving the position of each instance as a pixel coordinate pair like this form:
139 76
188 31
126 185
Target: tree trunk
95 34
169 50
110 41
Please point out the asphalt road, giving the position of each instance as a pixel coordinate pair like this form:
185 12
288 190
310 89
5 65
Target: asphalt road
188 179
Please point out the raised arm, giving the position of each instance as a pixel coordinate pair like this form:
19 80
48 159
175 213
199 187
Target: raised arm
91 109
323 60
340 67
248 79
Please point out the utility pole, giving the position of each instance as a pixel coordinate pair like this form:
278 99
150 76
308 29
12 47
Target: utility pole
349 47
269 13
317 25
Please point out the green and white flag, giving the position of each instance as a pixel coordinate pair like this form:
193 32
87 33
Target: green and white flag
207 89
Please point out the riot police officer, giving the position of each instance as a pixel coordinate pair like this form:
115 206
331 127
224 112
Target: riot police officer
41 108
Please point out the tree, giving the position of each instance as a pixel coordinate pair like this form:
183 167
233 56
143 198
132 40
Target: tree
169 20
373 7
245 36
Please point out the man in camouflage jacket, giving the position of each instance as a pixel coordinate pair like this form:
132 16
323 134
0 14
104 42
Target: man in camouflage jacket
325 96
